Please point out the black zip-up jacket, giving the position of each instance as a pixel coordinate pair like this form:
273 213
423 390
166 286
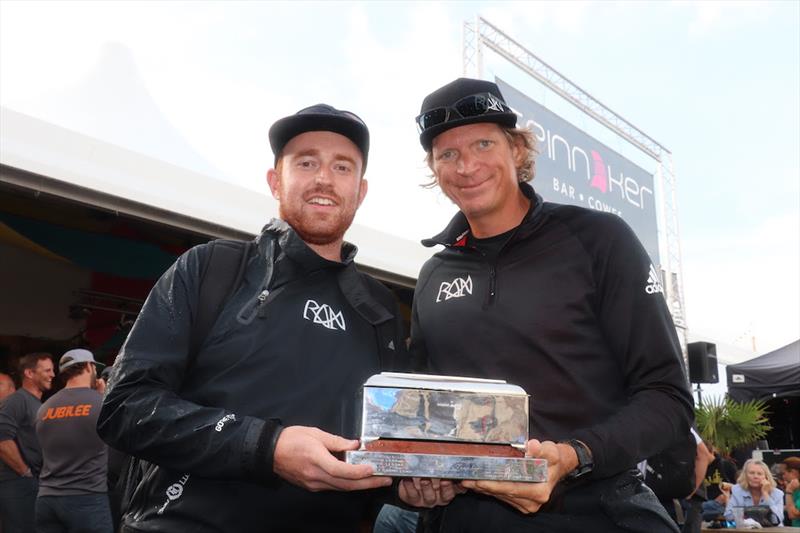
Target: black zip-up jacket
295 354
572 310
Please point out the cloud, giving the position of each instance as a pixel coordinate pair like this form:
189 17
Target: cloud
518 18
747 284
708 17
389 79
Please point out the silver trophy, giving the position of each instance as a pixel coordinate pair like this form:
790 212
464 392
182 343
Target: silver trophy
445 427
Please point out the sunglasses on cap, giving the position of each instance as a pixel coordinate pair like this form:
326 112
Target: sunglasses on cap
471 106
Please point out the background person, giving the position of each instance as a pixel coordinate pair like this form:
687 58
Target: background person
72 485
7 387
117 461
719 471
792 475
101 381
778 470
20 454
692 504
755 486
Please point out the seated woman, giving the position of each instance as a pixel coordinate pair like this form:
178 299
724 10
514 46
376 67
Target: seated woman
755 486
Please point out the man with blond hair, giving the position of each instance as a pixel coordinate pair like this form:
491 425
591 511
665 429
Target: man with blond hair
557 299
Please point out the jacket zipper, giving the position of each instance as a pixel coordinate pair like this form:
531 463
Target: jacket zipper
491 292
492 282
254 306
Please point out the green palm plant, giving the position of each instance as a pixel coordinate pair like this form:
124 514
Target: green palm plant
729 424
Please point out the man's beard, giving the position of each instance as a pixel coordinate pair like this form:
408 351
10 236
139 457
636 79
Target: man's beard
312 235
317 231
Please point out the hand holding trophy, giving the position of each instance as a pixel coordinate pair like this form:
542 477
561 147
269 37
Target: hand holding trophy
443 427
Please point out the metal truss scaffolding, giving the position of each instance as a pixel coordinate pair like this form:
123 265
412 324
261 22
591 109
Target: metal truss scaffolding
479 33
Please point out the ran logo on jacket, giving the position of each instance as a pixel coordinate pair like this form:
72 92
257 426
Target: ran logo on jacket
455 289
323 314
653 282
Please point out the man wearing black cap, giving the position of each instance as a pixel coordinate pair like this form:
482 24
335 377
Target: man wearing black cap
240 433
73 490
553 298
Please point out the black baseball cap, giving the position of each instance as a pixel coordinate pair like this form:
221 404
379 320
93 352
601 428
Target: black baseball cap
320 117
461 102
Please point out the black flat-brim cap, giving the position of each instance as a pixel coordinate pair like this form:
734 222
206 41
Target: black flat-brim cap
452 93
320 117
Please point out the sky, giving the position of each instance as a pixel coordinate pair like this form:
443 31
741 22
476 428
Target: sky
717 83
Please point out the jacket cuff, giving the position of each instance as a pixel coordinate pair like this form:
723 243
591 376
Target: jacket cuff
260 440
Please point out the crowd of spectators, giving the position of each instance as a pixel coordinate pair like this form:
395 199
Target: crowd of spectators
53 465
768 495
54 468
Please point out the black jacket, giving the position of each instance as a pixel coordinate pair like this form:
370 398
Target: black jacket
571 310
207 424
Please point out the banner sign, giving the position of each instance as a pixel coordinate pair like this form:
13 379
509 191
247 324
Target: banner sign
574 168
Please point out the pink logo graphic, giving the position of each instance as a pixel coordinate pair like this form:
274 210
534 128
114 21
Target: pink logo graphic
600 177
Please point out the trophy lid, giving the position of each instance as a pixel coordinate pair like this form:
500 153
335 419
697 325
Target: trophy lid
447 383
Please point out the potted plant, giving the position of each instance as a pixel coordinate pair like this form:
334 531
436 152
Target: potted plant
729 424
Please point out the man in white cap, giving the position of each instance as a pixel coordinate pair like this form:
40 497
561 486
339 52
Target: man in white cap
73 490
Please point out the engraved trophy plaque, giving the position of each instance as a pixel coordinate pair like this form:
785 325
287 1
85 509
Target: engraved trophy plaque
445 427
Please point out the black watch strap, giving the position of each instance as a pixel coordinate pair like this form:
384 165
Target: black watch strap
585 462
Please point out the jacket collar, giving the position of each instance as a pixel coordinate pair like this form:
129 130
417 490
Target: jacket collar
456 232
350 281
296 249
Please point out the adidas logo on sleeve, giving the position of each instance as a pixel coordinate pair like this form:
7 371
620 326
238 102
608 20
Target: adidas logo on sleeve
653 282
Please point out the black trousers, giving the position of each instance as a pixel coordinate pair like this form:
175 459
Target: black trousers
618 504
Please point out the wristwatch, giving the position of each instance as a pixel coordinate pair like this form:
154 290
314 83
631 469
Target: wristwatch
585 462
